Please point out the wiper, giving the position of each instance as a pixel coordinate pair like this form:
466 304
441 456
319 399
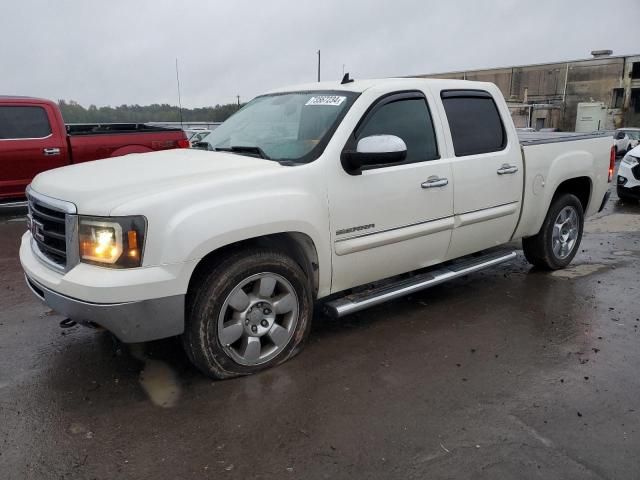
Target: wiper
251 150
200 145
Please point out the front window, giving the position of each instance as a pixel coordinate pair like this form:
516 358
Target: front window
293 126
23 122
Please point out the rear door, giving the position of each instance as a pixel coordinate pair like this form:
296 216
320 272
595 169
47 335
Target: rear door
487 167
29 144
388 220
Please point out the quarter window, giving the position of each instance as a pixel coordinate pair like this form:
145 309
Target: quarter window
408 119
474 122
23 122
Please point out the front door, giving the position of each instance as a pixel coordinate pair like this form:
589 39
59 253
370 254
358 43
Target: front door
392 219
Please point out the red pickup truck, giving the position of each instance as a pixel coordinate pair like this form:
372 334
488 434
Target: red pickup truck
34 138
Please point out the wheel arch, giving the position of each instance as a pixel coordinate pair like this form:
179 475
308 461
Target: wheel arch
128 149
298 245
581 187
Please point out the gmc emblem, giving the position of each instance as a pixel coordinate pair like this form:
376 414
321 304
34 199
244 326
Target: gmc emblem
37 230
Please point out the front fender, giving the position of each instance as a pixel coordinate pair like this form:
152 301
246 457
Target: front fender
203 227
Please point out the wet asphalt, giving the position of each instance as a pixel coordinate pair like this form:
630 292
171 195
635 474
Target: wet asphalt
508 373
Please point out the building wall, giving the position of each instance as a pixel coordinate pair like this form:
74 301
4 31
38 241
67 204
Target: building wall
564 85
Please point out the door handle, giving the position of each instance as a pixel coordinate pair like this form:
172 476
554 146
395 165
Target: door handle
51 151
434 181
506 169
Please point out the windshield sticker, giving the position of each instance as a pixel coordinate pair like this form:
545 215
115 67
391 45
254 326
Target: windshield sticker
333 100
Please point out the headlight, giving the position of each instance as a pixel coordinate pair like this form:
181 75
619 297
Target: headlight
116 242
630 161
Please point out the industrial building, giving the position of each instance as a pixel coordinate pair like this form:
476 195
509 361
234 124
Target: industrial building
598 93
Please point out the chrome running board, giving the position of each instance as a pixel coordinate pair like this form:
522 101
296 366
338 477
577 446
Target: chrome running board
361 300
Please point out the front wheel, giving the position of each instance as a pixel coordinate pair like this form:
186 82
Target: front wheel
559 238
622 195
252 311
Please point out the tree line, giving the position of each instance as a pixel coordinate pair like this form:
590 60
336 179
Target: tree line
73 112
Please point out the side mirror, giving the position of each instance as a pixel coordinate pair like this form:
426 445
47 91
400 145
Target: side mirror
374 150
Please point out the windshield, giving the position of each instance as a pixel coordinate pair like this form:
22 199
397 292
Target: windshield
633 135
290 126
199 136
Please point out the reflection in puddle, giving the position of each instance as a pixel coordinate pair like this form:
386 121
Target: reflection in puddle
578 270
157 379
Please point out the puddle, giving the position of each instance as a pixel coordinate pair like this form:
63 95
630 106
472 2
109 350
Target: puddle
157 379
579 270
623 253
77 428
614 223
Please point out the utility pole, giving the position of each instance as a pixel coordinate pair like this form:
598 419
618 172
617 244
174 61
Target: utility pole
238 97
318 65
179 97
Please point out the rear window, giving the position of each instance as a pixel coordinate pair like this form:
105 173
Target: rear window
23 122
474 121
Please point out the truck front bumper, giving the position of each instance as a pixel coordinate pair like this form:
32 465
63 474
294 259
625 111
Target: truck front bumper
131 322
136 305
628 180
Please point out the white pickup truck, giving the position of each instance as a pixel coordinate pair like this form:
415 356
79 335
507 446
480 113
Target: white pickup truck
343 195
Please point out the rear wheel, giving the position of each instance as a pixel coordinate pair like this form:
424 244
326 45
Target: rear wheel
559 238
250 312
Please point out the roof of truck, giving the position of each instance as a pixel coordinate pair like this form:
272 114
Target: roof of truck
23 99
362 85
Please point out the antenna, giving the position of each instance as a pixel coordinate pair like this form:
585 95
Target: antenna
318 65
179 97
346 79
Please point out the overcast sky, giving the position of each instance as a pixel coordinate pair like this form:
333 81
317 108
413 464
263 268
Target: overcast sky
111 52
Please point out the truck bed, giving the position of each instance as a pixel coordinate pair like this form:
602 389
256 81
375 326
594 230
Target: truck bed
106 128
537 138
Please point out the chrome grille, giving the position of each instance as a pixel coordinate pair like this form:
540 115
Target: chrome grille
48 230
52 226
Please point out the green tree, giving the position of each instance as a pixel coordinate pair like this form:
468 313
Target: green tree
73 112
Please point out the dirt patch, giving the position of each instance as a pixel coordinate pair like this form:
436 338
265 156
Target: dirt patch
157 379
614 223
579 270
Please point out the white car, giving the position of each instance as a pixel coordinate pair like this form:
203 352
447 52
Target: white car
626 139
343 195
628 187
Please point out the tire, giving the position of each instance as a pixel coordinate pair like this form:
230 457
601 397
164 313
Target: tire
624 197
539 249
253 300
